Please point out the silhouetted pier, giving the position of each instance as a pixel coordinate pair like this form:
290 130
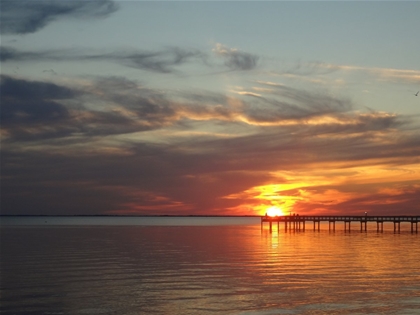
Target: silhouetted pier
298 222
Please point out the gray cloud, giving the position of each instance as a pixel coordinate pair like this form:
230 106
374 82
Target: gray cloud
11 54
27 16
241 61
307 69
188 172
135 108
25 102
35 110
162 61
235 59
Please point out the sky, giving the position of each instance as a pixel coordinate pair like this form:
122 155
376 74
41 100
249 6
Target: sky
210 108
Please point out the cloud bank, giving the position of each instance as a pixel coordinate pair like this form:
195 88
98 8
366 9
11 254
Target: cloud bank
26 16
114 146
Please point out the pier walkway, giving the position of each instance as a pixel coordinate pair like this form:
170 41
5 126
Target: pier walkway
298 222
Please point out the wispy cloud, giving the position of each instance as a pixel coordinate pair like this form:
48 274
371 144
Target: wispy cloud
163 61
236 59
160 61
316 70
27 16
133 108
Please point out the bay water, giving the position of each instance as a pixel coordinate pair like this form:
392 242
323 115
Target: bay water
195 265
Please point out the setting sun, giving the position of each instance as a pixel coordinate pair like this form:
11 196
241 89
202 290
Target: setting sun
274 211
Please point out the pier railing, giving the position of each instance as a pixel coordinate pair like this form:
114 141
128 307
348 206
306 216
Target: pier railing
298 222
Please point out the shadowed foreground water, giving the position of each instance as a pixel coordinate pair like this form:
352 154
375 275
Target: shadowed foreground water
188 267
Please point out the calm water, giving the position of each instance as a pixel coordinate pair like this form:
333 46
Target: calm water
203 266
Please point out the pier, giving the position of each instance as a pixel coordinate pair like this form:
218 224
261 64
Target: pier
298 222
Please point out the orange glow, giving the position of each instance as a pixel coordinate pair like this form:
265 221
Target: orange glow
274 211
330 188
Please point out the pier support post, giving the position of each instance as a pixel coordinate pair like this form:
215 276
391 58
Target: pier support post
414 224
395 226
363 223
345 225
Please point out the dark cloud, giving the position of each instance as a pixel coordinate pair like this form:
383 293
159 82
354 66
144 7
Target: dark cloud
162 61
24 89
27 16
241 61
158 61
183 178
26 102
235 59
88 169
36 110
10 54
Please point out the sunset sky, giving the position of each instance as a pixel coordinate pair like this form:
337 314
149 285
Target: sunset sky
210 108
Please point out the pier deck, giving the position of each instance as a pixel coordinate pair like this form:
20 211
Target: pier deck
298 222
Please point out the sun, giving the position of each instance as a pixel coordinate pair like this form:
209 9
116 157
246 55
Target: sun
274 211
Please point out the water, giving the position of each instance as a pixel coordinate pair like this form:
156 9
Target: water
203 266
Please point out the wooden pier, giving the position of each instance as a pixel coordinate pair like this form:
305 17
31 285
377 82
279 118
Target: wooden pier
298 222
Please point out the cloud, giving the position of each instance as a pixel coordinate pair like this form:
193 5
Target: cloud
25 102
27 16
235 59
112 145
11 54
383 199
319 69
36 110
310 68
134 108
162 61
